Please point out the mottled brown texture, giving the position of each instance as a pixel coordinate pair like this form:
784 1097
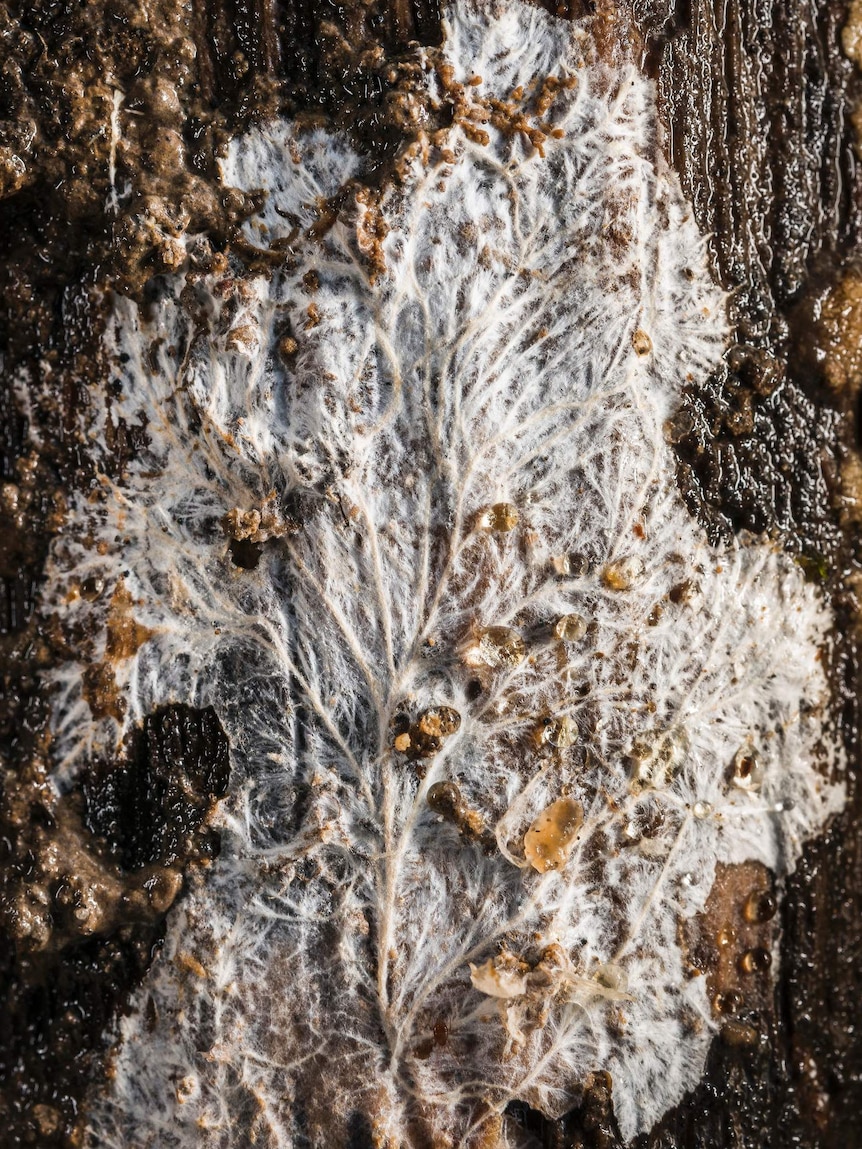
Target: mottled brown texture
757 101
730 944
86 879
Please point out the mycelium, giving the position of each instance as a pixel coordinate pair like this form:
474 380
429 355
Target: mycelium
436 428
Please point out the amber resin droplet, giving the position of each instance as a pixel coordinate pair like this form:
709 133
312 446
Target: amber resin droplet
622 573
759 907
502 517
726 936
549 841
728 1003
755 961
92 587
570 628
501 647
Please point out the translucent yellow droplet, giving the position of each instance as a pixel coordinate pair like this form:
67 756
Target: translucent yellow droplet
501 647
549 841
570 627
622 573
501 517
558 732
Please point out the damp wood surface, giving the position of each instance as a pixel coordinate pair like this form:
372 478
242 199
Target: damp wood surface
758 104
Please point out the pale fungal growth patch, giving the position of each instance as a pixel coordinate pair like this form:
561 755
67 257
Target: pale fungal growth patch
372 885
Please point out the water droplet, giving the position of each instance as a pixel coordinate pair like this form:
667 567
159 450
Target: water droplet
549 841
501 517
759 907
726 936
702 810
501 647
572 565
730 1002
570 628
748 770
92 587
559 732
622 573
755 961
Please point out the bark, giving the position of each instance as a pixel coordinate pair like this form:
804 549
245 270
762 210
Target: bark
757 109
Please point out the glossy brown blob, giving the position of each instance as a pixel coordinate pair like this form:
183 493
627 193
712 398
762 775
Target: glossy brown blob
757 960
425 737
551 837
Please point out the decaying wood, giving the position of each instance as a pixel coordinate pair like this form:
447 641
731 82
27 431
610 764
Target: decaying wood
757 109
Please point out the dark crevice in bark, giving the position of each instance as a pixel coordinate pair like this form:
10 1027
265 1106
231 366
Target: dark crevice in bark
756 100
